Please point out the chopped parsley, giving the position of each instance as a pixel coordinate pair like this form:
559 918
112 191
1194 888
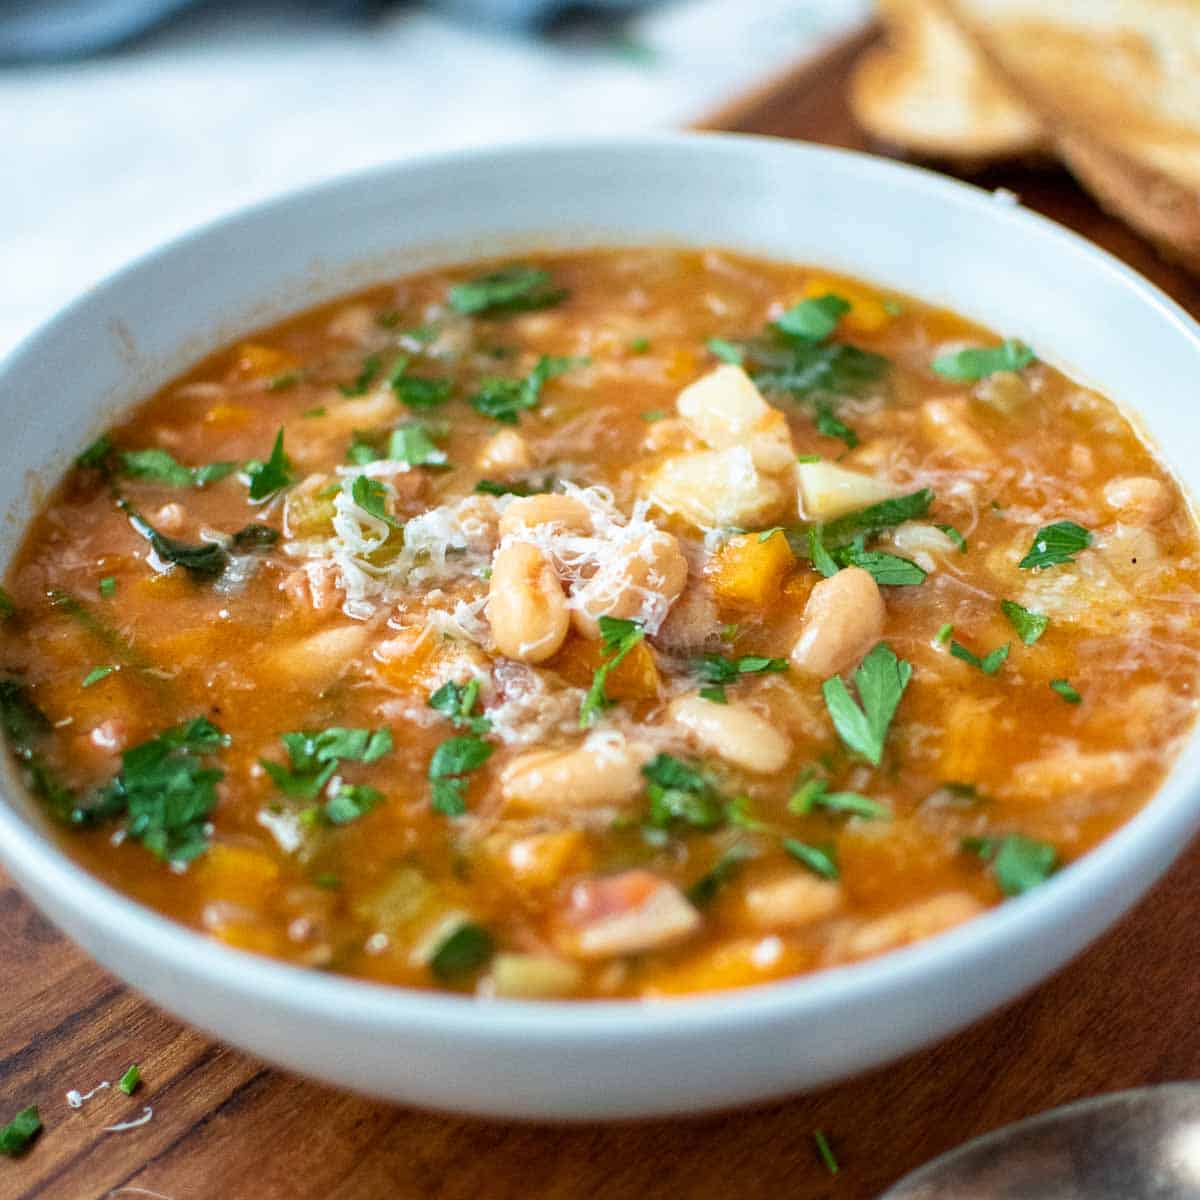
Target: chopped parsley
1066 691
1018 863
504 399
96 674
1029 625
463 952
288 379
313 757
714 694
366 376
881 678
813 793
1055 545
956 537
457 701
943 635
989 664
8 608
830 426
454 758
371 496
160 466
267 478
652 415
16 1136
512 289
351 801
820 860
814 319
888 570
826 1153
97 454
617 638
679 794
726 351
715 668
107 587
966 366
877 517
413 444
704 891
417 391
640 345
130 1080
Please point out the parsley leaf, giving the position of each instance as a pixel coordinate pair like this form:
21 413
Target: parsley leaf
617 637
877 517
1029 625
371 496
830 426
162 467
814 319
822 560
276 473
457 702
888 570
814 793
455 757
416 391
96 674
881 679
715 668
1055 545
466 949
824 1149
97 454
819 860
107 587
512 289
726 351
680 793
989 664
704 891
1018 863
714 694
412 444
966 366
956 537
314 755
504 399
366 376
1066 691
351 801
805 369
16 1136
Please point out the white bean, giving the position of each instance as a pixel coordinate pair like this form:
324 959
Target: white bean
526 607
843 619
732 732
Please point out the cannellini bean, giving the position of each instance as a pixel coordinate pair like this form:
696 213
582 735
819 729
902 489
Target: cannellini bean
171 518
828 491
626 914
320 657
1138 497
505 453
716 488
725 409
925 544
732 732
602 772
791 901
526 607
1005 391
843 619
642 582
563 512
912 923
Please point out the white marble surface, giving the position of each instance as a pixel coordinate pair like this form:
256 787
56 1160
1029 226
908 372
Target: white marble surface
105 158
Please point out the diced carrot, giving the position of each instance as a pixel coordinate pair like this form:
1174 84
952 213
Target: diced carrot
967 733
253 360
247 935
749 570
681 365
542 860
737 962
867 313
635 677
227 416
174 584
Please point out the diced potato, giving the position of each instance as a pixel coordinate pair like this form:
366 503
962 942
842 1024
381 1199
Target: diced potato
828 491
239 874
867 313
717 488
946 425
402 897
533 976
967 734
635 677
725 410
254 360
540 861
748 570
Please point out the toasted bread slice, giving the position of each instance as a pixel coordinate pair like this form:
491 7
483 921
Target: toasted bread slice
1117 83
928 91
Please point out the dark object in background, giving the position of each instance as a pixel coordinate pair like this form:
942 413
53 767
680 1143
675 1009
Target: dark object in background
33 30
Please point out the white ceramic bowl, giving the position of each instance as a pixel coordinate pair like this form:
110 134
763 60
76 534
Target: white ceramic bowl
897 226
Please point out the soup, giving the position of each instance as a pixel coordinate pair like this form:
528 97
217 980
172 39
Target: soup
620 623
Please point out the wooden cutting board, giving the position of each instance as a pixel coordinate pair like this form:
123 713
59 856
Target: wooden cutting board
226 1127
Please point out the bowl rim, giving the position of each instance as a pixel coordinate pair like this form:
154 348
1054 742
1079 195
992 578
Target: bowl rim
1171 813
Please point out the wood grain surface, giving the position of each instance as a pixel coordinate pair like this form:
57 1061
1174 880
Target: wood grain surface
227 1128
